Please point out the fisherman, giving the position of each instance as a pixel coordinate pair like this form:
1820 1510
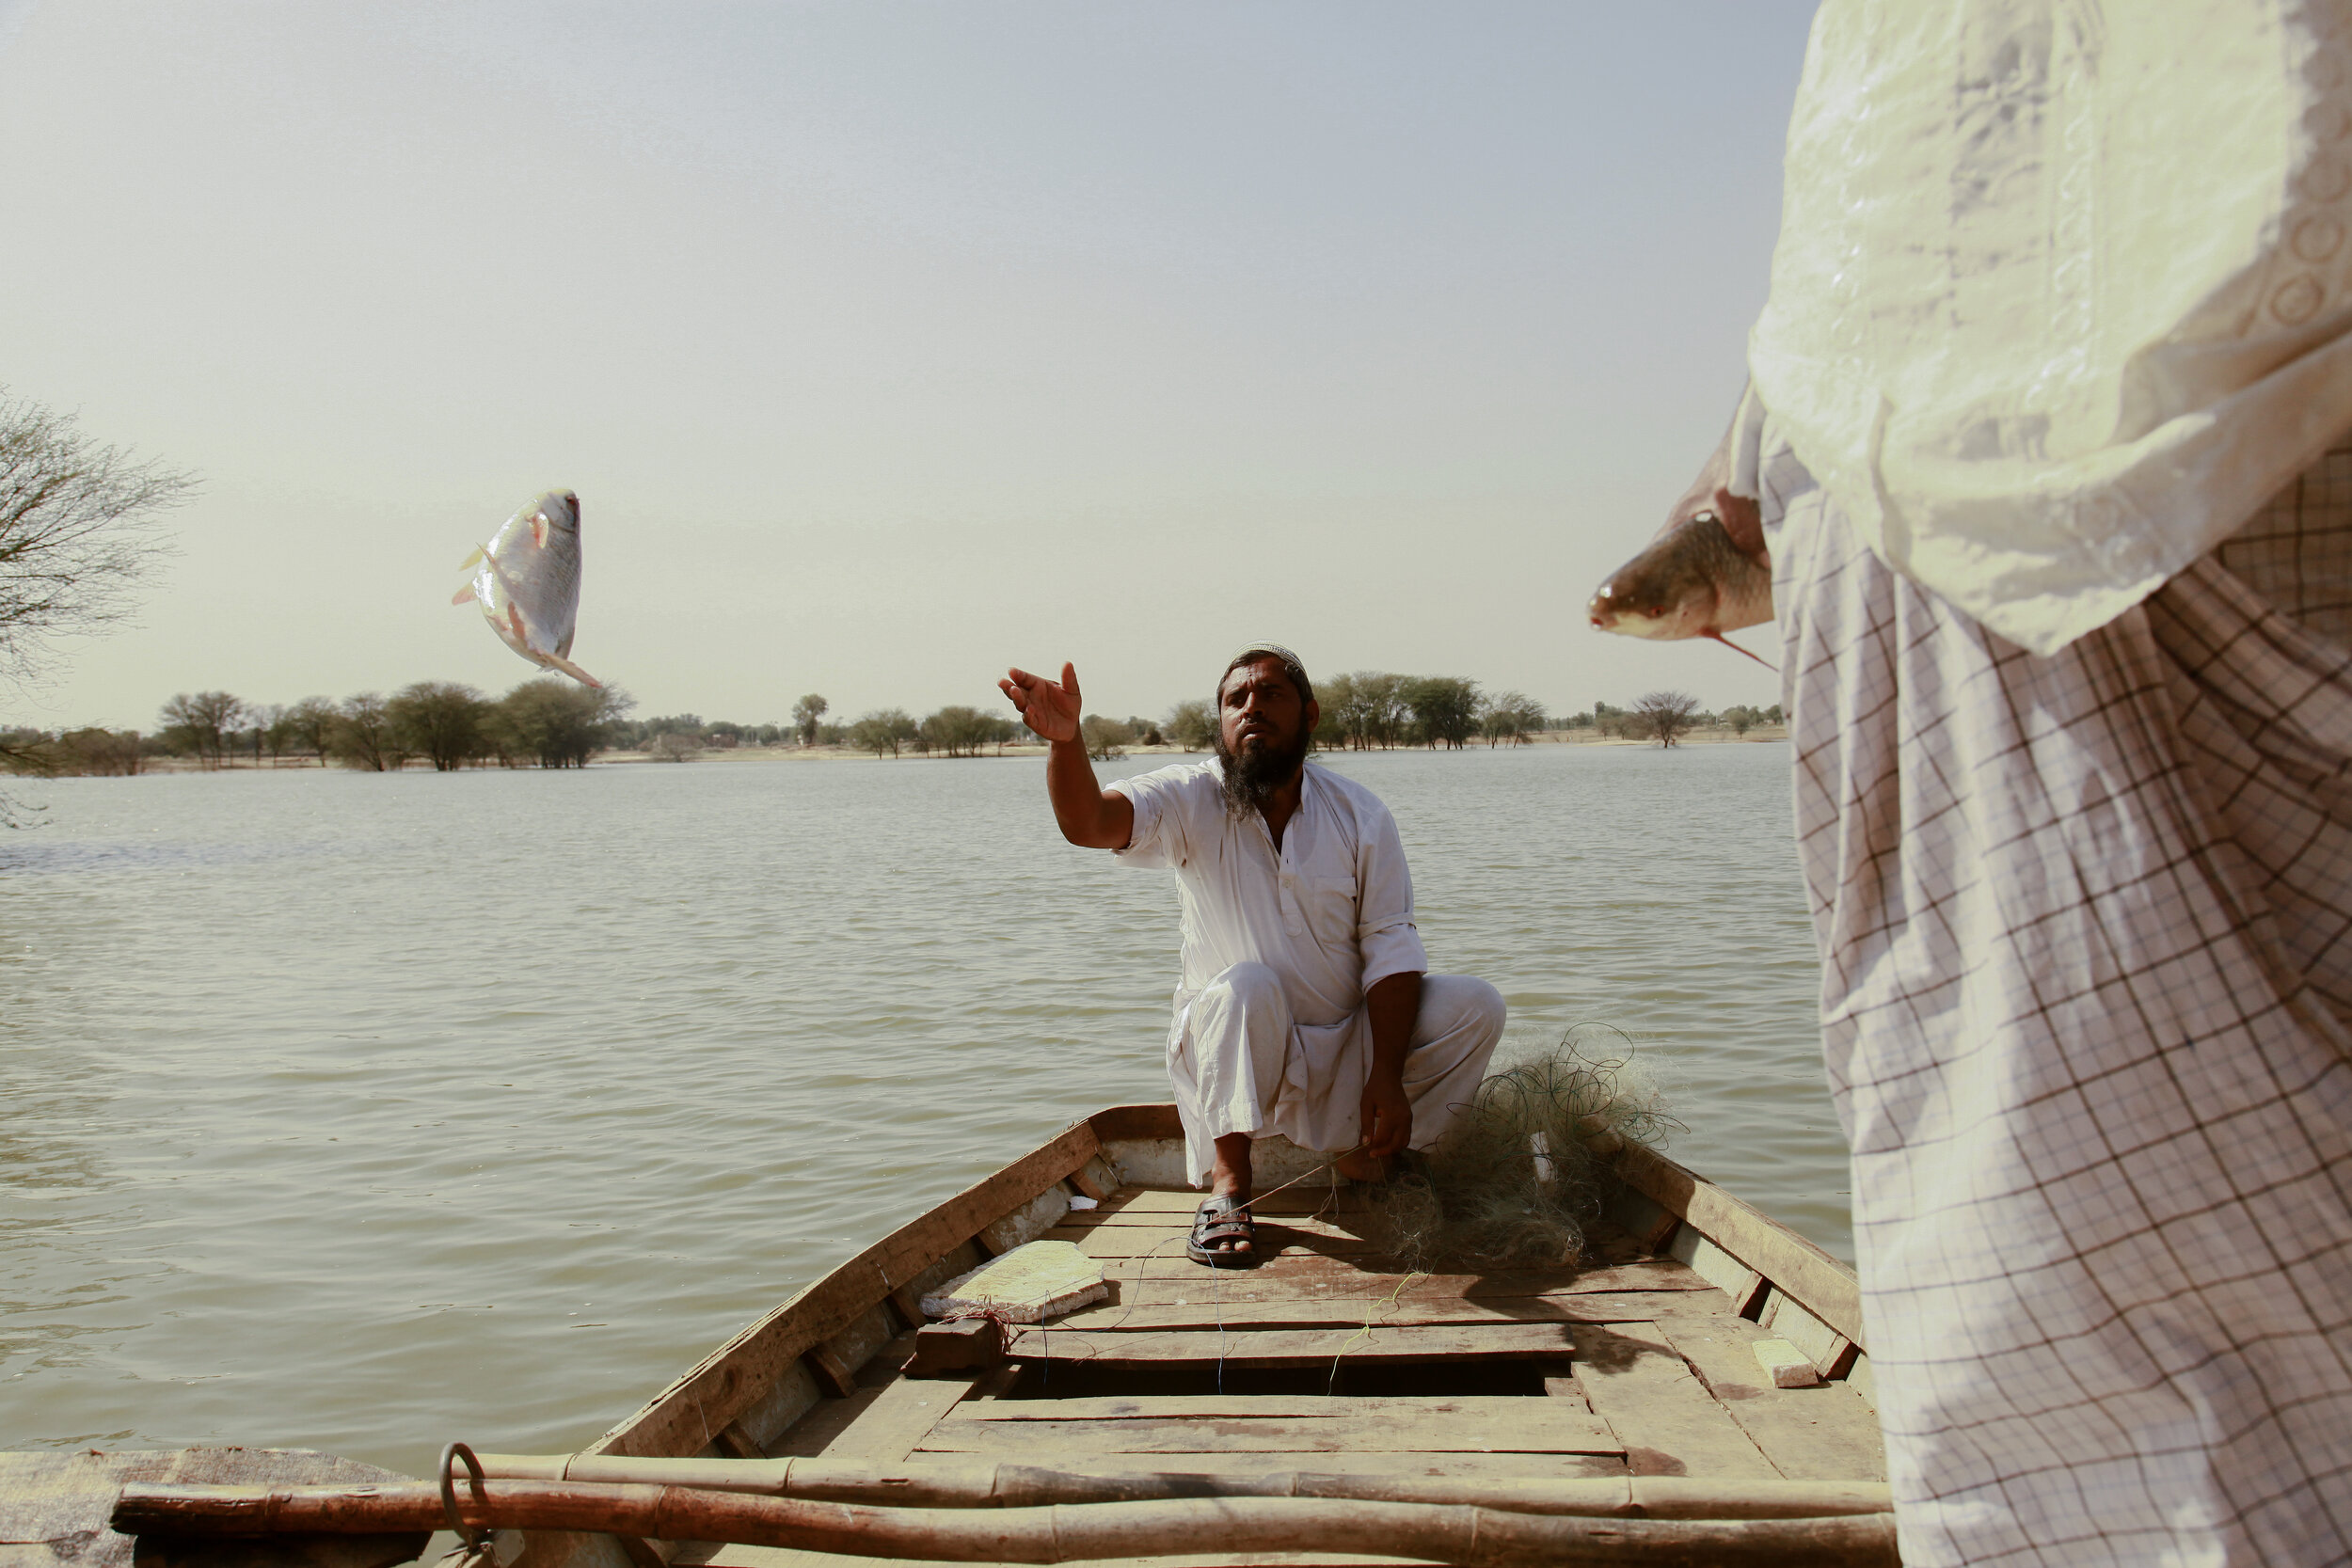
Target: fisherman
1304 1008
2049 446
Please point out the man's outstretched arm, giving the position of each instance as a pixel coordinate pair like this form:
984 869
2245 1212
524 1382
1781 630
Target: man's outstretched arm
1089 816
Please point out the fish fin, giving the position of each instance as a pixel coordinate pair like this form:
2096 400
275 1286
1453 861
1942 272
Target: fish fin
1737 649
464 596
557 661
539 529
564 649
472 561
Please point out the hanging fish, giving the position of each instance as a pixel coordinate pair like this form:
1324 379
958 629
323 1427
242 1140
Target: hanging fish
528 582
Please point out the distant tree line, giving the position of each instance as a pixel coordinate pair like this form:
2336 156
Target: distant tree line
554 723
540 723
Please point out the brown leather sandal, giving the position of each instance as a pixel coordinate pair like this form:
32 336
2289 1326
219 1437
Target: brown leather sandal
1217 1228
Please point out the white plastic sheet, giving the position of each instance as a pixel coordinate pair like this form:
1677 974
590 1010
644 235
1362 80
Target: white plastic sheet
2063 290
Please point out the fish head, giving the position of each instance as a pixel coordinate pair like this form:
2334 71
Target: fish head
1674 588
561 507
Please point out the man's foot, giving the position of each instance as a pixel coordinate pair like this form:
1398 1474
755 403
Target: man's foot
1224 1234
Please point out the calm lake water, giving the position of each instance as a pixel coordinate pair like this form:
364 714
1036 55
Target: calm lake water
364 1112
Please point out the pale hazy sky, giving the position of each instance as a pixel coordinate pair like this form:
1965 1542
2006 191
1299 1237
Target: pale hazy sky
888 343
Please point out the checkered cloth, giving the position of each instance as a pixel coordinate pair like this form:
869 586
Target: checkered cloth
2086 930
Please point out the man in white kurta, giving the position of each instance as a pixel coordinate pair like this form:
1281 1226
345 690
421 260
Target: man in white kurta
1303 1009
1280 948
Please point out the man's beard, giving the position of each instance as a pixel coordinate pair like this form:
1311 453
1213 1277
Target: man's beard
1257 774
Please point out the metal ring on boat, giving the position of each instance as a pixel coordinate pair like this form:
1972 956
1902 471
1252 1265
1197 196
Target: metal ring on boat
472 1540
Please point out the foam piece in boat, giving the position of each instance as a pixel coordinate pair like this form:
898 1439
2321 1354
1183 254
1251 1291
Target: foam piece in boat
1789 1367
1027 1285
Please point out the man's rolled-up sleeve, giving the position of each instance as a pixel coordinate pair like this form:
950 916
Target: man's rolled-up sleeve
1157 841
1385 931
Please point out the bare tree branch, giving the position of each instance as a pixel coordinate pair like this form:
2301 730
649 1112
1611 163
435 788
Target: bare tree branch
78 529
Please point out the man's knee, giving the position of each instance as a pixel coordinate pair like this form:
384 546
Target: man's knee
1246 987
1451 1004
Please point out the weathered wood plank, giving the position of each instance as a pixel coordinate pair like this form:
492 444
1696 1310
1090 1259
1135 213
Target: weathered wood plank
1095 1178
1175 1205
908 1298
1744 1285
1299 1347
784 1557
1551 1426
1824 1285
1137 1121
735 1443
1833 1354
839 1359
1306 1274
1670 1425
1186 1407
1275 1239
898 1418
1826 1432
813 1434
1323 1309
716 1389
1484 1467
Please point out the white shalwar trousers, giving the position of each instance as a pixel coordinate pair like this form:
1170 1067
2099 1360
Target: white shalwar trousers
1239 1064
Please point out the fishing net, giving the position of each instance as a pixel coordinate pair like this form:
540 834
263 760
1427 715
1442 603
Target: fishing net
1517 1181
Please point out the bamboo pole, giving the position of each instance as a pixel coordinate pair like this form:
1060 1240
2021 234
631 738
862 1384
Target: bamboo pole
981 1484
1471 1537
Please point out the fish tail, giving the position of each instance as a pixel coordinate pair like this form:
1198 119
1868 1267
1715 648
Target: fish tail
1737 649
557 661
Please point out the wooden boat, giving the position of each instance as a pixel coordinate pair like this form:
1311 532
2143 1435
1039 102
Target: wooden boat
1322 1360
1323 1407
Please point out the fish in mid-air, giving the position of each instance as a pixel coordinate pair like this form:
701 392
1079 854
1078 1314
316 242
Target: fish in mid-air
526 582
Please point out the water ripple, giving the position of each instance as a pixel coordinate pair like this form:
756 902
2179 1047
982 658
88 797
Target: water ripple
336 1099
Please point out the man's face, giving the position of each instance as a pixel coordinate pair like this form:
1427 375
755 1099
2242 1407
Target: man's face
1259 710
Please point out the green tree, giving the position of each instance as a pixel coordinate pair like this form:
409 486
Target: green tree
200 724
1191 724
1663 716
99 752
961 732
362 737
675 746
441 719
1510 718
1444 710
304 727
883 730
805 716
561 723
1105 739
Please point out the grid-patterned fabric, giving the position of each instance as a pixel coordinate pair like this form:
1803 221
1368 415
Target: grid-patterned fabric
2085 992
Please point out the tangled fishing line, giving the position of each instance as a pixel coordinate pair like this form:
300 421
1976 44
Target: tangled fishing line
1518 1179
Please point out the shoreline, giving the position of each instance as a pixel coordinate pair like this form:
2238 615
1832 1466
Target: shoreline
1713 736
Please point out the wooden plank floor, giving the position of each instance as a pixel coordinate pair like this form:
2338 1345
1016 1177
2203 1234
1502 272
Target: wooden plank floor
1635 1365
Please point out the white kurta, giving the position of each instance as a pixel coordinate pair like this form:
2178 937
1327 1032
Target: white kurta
2086 930
1330 914
2063 290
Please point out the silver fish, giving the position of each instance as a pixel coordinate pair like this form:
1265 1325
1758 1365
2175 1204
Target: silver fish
1692 582
526 582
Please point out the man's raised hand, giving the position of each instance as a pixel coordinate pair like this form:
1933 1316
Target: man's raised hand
1049 710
